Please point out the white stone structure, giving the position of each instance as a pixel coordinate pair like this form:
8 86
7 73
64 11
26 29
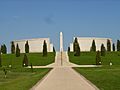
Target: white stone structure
85 43
61 42
35 45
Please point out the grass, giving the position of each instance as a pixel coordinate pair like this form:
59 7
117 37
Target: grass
105 78
35 58
88 58
21 79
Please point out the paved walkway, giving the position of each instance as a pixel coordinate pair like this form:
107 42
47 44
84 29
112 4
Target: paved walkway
64 62
63 77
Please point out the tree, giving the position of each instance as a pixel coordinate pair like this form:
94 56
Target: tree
68 49
113 47
0 59
108 45
98 58
25 61
12 48
54 49
44 48
78 51
74 44
103 50
118 45
26 47
76 48
5 72
31 67
93 47
17 51
3 49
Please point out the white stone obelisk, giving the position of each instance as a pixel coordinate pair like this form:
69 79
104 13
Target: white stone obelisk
61 42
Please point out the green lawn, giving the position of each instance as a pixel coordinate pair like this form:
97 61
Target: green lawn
20 79
88 58
35 58
105 78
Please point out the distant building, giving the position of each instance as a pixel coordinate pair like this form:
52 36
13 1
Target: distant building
85 43
35 45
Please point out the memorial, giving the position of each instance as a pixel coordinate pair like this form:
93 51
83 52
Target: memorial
61 42
35 45
85 43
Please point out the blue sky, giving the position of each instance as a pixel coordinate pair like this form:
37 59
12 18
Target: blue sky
24 19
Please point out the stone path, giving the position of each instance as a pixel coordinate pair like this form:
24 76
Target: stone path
65 62
63 77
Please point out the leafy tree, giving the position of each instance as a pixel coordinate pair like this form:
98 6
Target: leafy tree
54 52
3 49
74 44
12 48
5 72
26 47
44 48
0 59
31 67
93 47
103 50
17 51
54 49
118 45
108 45
113 47
98 58
76 48
68 49
25 61
78 51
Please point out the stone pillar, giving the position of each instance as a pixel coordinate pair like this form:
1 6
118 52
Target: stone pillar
61 42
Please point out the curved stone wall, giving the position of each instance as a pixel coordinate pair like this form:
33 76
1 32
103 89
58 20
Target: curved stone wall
85 43
35 45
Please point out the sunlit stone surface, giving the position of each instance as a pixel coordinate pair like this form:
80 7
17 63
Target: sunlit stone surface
61 42
85 43
35 45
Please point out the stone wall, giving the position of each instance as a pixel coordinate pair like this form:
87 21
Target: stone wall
35 45
85 43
